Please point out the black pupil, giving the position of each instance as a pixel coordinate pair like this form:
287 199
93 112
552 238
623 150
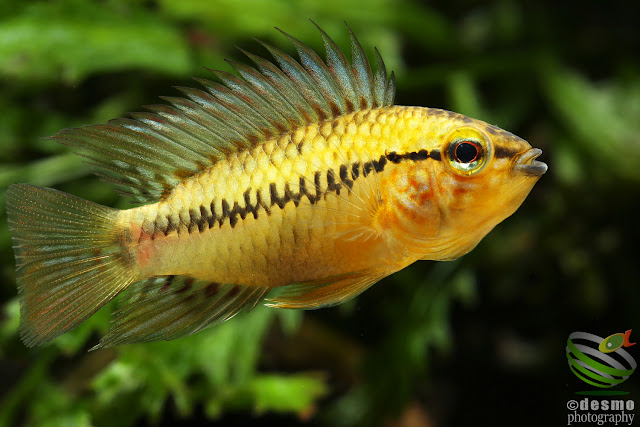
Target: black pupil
466 152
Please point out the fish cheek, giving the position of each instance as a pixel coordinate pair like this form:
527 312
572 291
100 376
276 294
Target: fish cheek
517 192
411 204
492 197
503 191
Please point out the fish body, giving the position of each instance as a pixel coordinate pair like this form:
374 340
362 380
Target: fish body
302 177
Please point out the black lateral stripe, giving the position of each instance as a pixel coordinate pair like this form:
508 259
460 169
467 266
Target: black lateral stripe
332 185
344 177
225 212
347 175
233 215
302 191
316 181
173 223
305 191
203 222
367 168
343 172
195 221
394 157
415 156
240 210
212 219
288 195
248 206
294 196
355 171
420 155
275 199
502 152
262 204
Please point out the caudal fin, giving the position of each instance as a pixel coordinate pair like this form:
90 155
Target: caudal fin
69 259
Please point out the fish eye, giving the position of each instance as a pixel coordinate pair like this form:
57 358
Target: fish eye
468 152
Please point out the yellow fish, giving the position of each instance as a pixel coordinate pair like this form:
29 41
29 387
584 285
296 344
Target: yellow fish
299 175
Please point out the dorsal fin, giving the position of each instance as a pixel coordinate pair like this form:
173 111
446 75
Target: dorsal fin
147 155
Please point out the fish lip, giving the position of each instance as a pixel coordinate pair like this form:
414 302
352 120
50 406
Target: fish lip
528 164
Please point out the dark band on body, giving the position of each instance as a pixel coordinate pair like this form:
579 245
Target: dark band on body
334 181
503 152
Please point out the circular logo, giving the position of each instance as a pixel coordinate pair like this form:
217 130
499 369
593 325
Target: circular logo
594 367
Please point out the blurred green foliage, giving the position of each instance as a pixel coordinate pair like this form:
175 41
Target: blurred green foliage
484 333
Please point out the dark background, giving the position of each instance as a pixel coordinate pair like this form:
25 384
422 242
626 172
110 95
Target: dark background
477 341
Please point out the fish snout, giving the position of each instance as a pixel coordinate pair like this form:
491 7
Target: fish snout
528 164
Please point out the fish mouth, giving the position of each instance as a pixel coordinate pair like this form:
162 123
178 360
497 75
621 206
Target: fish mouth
528 164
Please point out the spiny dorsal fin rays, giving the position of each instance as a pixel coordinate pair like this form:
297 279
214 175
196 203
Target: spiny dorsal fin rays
382 87
211 121
233 128
361 71
195 124
390 91
188 132
320 74
341 70
269 91
380 81
148 155
249 96
176 149
284 86
111 139
233 109
302 82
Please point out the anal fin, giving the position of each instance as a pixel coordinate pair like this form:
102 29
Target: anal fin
325 292
170 307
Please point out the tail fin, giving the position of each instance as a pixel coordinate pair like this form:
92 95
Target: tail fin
69 259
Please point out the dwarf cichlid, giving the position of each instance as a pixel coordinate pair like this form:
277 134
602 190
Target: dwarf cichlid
299 175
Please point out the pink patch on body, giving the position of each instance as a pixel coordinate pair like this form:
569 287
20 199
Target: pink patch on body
144 245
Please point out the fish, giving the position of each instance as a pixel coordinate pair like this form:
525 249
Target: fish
294 183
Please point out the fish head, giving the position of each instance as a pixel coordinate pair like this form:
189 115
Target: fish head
445 205
485 175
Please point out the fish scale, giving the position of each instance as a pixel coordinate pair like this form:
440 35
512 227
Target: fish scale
300 176
189 197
